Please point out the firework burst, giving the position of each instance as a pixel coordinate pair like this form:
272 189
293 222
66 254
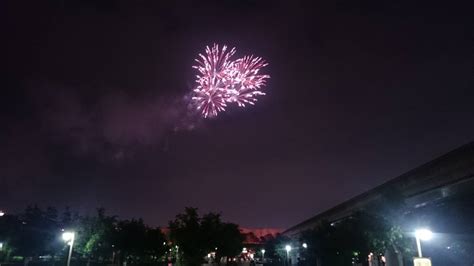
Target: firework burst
221 81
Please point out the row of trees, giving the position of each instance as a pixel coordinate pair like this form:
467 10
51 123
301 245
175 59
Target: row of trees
351 240
36 234
346 242
197 236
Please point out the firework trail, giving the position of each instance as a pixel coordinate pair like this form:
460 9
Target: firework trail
221 81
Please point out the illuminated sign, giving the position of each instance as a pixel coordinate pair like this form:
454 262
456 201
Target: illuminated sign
422 262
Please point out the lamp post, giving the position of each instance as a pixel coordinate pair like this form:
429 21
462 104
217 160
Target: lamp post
288 249
263 254
178 261
422 234
304 245
69 238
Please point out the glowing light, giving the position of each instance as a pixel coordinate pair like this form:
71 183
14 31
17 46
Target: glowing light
305 245
2 213
68 236
221 81
263 251
288 248
424 234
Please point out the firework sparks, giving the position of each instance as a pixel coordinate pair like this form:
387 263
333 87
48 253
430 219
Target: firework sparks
221 81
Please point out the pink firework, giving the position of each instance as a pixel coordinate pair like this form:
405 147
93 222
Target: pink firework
246 82
221 80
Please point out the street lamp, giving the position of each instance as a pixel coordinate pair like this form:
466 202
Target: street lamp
288 249
422 234
305 245
69 238
263 254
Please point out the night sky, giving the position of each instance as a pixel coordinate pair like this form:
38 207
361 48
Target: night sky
93 104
